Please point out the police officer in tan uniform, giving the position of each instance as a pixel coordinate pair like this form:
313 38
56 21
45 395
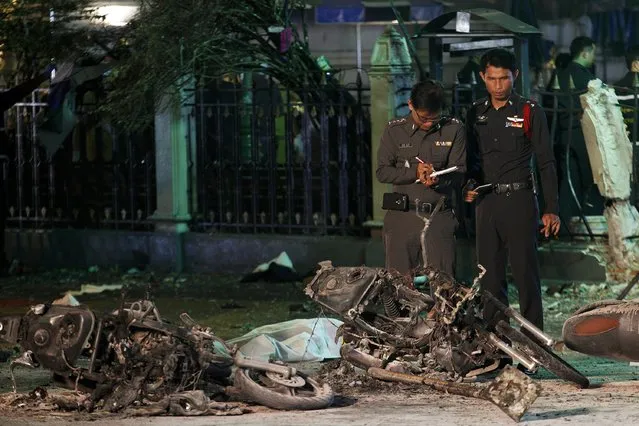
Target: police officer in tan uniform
411 149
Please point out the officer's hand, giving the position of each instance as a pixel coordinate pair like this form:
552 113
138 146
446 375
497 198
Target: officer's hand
470 196
425 177
423 169
551 224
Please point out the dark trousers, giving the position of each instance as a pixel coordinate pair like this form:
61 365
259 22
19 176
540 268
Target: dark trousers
507 227
580 174
402 244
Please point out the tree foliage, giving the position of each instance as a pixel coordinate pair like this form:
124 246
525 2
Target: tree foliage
203 39
34 32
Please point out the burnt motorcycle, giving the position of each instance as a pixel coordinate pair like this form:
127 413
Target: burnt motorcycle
133 355
390 324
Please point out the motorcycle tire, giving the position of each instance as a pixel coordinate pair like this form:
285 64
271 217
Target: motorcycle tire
543 355
256 387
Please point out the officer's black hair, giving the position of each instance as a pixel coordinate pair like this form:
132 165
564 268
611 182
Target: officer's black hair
498 58
632 55
428 95
580 44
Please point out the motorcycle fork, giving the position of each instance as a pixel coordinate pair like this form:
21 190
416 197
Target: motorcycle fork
283 370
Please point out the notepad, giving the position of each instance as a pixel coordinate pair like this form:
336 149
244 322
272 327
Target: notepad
443 172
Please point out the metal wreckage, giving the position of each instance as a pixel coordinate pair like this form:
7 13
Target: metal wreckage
131 359
398 333
391 329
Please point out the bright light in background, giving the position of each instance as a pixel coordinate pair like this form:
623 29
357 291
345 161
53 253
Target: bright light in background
116 15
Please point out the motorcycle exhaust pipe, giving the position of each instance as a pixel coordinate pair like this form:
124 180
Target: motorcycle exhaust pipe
360 359
513 353
511 313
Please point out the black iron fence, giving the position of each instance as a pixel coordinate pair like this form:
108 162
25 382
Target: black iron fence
287 160
99 178
266 159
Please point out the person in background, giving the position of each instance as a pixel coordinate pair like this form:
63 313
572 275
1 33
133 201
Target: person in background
573 82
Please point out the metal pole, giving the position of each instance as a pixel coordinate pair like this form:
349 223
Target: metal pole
359 47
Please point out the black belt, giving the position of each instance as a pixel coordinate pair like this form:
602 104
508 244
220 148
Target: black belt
427 208
506 188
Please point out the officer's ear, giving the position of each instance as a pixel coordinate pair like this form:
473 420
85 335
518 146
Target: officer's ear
482 75
410 105
515 74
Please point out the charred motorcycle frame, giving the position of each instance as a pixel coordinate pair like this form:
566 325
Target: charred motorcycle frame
133 354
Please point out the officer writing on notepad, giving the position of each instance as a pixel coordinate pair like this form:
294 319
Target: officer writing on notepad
504 131
411 150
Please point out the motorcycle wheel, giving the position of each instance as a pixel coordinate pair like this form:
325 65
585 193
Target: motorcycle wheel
543 355
256 386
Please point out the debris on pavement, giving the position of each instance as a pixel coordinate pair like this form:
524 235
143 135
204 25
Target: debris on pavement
279 269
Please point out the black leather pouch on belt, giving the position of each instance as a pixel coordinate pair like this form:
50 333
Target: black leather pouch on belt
395 201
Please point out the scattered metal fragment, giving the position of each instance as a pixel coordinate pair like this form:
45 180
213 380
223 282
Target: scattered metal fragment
512 391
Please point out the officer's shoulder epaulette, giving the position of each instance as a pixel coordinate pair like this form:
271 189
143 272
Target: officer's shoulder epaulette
480 101
530 102
397 121
452 121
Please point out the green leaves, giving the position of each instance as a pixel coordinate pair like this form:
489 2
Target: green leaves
34 32
170 39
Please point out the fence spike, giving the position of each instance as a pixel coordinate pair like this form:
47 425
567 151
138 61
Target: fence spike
58 213
280 218
27 211
123 214
263 218
107 213
229 217
351 219
43 212
139 214
212 216
333 219
12 211
298 218
245 217
76 213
